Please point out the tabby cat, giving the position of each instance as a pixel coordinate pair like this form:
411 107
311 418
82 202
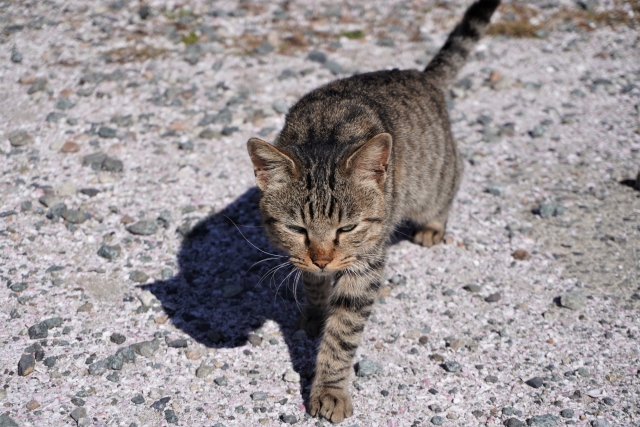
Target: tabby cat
355 158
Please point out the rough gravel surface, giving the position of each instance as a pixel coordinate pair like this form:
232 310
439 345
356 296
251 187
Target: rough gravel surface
138 288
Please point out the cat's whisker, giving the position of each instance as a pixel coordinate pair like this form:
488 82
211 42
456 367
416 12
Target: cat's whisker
273 275
274 269
265 252
255 263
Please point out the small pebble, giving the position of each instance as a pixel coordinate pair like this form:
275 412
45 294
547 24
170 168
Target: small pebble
451 366
535 382
26 365
117 338
567 413
495 297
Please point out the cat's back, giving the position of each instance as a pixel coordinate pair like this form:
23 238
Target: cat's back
347 110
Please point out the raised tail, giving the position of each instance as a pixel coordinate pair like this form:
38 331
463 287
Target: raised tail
444 67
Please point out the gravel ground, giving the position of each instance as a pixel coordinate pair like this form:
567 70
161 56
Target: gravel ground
131 298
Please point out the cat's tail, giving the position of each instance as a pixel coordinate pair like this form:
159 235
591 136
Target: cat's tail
444 67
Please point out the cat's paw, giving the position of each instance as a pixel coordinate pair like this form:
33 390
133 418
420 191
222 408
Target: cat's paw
430 235
330 403
311 325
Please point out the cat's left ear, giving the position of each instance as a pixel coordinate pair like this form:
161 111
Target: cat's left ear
271 166
371 160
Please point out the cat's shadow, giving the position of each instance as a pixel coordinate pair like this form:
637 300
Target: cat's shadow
224 289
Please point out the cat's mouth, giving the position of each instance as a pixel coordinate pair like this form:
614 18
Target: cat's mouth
329 268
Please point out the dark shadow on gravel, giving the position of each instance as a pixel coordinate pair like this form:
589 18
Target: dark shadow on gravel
217 296
633 183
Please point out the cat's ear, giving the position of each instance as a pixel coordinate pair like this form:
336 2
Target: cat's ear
370 161
271 166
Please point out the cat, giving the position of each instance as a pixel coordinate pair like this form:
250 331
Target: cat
354 159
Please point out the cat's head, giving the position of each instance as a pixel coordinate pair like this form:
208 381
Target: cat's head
327 215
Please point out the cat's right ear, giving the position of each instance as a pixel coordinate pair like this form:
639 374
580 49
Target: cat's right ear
271 166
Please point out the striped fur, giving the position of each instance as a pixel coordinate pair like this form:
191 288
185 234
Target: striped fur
355 158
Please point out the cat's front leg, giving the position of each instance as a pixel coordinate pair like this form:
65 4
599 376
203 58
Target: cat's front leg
317 290
349 307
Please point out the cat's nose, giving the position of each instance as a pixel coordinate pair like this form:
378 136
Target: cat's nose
322 262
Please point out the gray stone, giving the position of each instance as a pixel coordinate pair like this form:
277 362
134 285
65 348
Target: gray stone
546 420
111 164
98 368
229 130
288 418
204 371
317 56
114 363
143 227
146 348
109 252
451 366
535 382
160 404
127 354
53 322
18 287
291 376
85 308
255 340
49 200
547 210
334 67
574 300
94 160
38 85
537 131
280 107
138 399
495 189
106 132
437 420
26 365
16 56
64 103
20 138
79 412
495 297
38 331
179 343
74 216
588 5
170 416
600 422
513 422
366 368
207 134
6 421
50 361
473 288
567 413
221 381
117 338
259 396
138 276
56 211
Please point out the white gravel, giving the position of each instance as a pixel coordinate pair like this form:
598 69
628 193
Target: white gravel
204 289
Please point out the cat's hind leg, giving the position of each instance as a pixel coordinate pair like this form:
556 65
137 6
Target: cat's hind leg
432 232
317 290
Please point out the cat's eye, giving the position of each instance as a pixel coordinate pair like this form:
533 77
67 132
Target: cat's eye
347 228
296 229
